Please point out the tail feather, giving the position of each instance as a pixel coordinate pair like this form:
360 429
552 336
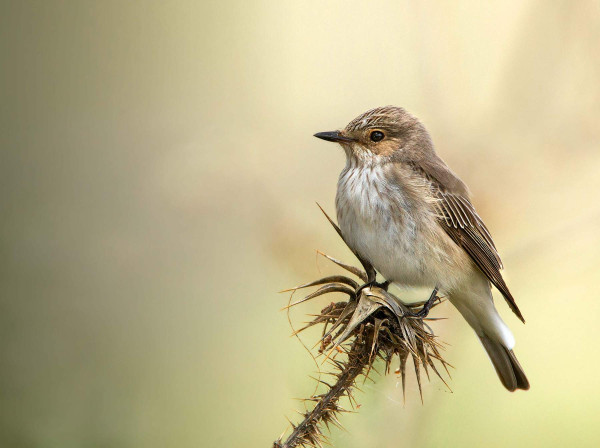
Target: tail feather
505 362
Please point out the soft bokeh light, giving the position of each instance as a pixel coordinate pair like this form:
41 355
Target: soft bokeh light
159 179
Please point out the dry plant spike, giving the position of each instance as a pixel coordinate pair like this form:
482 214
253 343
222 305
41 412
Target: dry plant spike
369 269
331 287
330 279
373 325
352 269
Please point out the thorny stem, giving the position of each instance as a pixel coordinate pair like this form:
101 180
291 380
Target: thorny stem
358 359
379 326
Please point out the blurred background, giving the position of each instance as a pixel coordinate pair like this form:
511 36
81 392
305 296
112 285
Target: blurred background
158 183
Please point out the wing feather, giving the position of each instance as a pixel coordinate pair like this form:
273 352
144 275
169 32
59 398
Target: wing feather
462 223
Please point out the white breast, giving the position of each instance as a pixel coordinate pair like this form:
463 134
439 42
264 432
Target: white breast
397 234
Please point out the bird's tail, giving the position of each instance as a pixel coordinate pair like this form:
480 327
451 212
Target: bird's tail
477 307
505 362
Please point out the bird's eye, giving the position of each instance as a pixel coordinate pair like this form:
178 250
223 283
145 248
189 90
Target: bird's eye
376 136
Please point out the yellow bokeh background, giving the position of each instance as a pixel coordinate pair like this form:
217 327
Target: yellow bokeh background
158 185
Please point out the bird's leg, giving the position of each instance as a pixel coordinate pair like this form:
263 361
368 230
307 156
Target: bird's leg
425 310
369 269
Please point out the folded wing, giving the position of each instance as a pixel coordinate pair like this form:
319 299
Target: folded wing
465 226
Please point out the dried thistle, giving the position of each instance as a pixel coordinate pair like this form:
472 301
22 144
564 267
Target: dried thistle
372 324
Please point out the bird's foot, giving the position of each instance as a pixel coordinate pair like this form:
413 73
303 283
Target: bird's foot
372 283
423 312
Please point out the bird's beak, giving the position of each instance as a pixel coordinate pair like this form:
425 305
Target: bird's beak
333 136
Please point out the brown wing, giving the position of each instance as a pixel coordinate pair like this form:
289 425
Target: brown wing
464 226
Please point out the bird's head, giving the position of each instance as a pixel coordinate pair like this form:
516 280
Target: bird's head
384 134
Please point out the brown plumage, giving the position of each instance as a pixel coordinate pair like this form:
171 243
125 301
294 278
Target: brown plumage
403 210
466 228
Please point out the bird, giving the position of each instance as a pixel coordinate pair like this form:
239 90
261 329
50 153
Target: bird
406 214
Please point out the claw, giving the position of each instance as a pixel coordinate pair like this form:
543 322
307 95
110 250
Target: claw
428 305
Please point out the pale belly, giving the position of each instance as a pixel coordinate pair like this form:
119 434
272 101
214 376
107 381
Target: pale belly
400 253
409 249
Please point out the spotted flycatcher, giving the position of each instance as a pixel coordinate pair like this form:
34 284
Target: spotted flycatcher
406 214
